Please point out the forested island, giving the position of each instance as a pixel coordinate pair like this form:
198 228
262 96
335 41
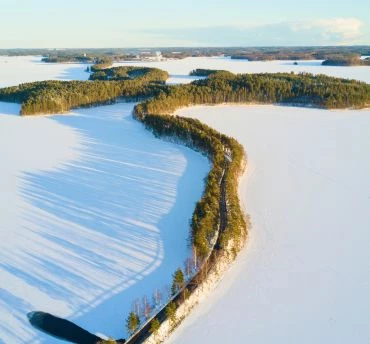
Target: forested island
61 96
346 61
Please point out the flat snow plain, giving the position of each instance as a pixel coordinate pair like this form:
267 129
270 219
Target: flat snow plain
95 214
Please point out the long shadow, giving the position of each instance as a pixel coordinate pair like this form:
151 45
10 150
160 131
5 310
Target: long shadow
61 328
109 227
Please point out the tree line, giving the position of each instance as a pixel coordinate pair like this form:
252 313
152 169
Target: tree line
60 96
300 89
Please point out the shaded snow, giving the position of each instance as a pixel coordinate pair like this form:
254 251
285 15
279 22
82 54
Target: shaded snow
93 204
304 276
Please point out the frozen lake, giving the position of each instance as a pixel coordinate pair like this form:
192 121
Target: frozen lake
304 276
179 69
95 214
71 183
20 69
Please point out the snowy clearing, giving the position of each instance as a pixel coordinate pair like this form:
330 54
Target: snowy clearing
304 276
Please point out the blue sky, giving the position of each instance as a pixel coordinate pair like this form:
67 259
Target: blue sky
134 23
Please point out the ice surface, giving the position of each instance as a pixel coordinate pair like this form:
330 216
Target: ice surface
21 69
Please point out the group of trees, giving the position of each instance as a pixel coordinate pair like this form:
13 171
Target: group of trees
143 309
219 87
129 73
60 96
301 89
346 60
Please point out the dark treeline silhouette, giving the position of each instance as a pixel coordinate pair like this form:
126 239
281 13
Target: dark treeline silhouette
253 53
204 72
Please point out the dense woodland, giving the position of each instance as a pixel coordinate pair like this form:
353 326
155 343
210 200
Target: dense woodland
129 73
61 96
217 147
299 89
204 72
219 87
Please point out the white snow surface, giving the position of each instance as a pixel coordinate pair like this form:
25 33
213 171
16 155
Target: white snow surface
20 69
304 276
179 69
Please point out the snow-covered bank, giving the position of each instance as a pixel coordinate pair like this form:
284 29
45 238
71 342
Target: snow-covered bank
93 203
20 69
179 69
305 274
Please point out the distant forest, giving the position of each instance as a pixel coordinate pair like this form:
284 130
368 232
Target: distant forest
250 53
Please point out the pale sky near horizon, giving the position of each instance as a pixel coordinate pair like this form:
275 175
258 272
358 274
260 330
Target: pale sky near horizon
138 23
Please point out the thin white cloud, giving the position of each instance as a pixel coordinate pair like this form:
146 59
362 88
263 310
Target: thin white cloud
330 31
341 30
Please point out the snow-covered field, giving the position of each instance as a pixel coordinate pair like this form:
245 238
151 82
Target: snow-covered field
95 214
179 69
304 276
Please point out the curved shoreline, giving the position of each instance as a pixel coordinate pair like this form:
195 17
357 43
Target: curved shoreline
295 196
222 252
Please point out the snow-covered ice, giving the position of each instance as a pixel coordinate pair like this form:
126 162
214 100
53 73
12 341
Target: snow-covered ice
92 203
95 211
179 69
304 276
20 69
